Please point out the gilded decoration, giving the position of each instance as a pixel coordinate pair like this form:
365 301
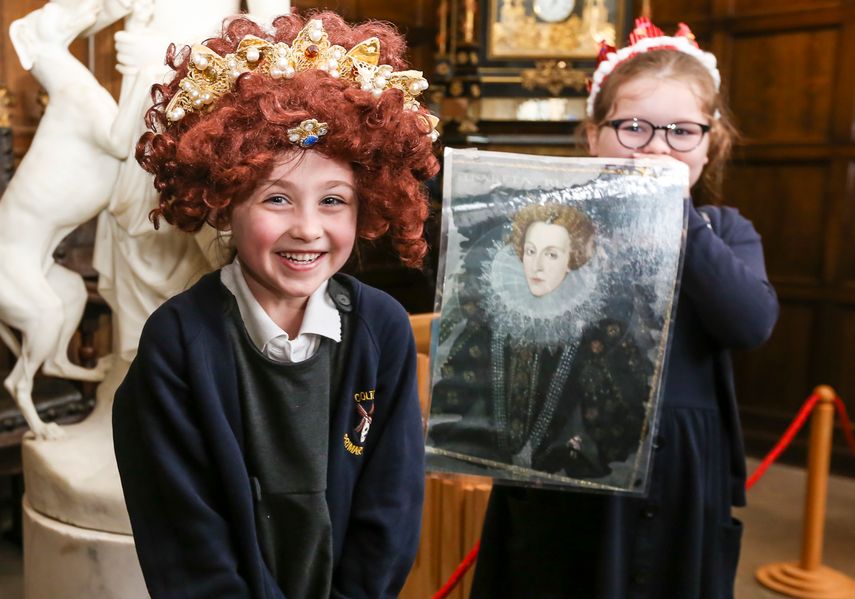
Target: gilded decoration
551 28
554 75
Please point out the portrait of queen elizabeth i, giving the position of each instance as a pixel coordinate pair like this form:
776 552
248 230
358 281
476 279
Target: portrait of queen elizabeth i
553 331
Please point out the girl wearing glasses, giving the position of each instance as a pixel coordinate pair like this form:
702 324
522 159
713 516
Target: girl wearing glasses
658 97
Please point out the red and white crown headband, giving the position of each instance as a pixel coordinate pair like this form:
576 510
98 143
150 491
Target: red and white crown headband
644 38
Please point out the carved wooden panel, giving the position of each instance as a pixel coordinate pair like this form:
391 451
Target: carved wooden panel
781 84
784 201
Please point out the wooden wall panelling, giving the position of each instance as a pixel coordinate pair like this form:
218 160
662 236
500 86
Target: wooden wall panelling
844 343
847 226
789 355
765 7
789 68
839 333
780 85
667 12
780 198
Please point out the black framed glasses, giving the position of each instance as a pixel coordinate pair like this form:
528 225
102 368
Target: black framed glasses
634 134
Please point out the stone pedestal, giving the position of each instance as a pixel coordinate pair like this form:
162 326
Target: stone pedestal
77 535
75 479
76 563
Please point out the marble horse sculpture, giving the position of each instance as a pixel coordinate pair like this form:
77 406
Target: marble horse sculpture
64 180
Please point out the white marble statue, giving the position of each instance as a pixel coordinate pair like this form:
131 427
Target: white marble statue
64 180
82 161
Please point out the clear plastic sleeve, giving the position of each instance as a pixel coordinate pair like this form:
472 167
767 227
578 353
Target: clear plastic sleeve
557 287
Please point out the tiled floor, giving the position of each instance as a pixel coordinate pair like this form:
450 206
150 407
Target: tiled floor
772 532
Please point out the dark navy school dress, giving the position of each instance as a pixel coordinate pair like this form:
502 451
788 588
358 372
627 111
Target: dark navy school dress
680 540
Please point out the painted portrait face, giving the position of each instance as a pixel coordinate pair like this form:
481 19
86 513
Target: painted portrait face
546 254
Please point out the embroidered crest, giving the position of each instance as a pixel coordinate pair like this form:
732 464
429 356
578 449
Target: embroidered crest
364 401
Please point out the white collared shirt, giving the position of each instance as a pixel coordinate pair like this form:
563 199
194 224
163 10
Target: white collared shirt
321 319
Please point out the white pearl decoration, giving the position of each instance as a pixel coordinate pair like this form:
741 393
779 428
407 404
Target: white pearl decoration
201 61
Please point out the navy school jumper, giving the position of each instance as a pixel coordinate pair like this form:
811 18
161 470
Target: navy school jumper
179 446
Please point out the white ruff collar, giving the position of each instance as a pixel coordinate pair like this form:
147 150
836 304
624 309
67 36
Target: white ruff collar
554 319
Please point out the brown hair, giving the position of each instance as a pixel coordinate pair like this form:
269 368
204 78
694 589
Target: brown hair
671 64
207 162
578 226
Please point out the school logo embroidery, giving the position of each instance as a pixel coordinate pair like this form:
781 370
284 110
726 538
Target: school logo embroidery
365 408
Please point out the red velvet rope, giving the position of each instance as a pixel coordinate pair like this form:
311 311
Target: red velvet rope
459 572
781 445
845 423
795 426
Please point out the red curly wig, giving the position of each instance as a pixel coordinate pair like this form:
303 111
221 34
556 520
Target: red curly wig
208 162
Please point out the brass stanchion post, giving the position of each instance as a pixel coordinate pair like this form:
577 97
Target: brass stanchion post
808 578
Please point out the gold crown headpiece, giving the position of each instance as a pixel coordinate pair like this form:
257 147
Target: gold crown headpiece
211 76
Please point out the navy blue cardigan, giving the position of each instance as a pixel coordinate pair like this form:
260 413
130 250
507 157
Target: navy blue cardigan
724 278
178 438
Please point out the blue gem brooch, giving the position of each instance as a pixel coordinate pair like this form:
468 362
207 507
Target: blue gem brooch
307 133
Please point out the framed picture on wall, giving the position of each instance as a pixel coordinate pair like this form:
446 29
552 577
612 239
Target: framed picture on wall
543 29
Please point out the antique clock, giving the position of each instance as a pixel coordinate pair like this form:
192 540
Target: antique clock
553 11
516 70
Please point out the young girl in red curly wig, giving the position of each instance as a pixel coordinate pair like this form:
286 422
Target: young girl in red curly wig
268 434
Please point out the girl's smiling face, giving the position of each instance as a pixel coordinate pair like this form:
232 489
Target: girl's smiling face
660 101
297 229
